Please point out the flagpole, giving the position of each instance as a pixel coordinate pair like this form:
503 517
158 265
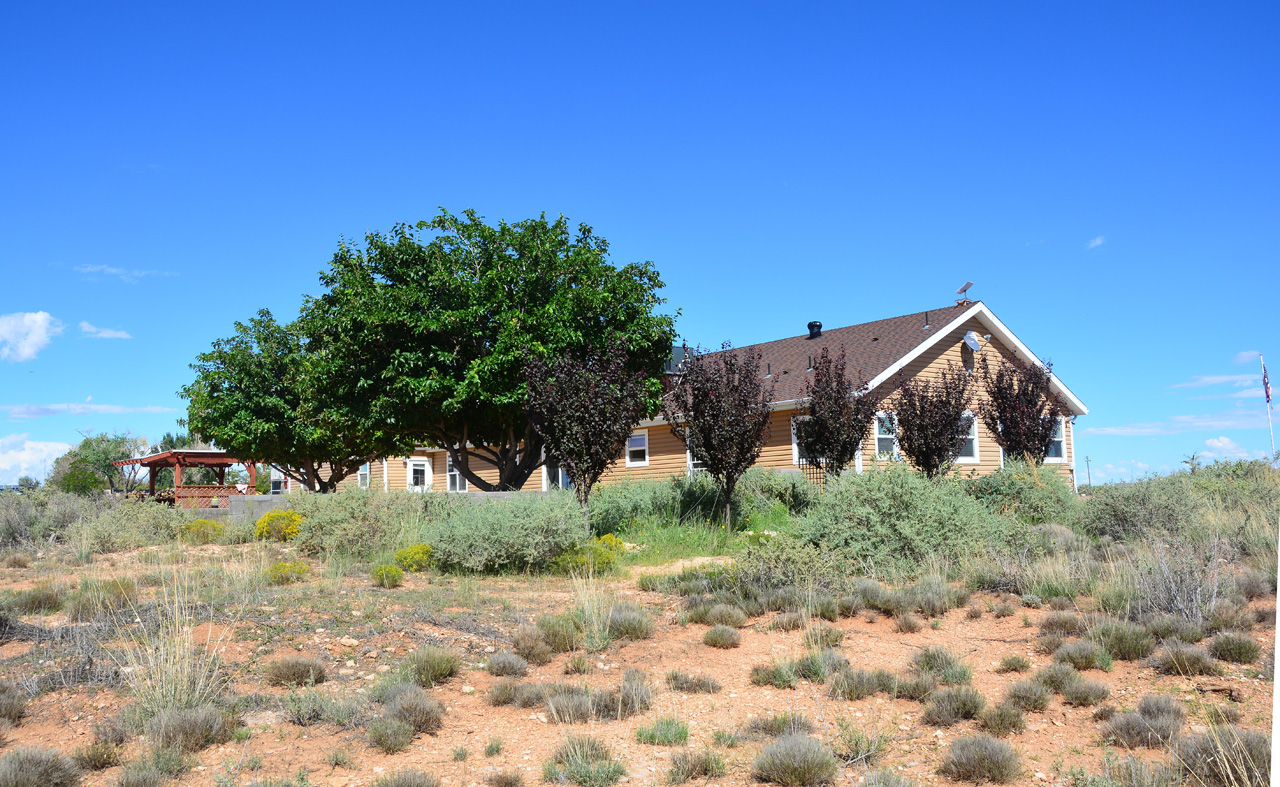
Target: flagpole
1266 391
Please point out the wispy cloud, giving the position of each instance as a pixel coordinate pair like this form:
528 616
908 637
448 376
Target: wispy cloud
1223 447
77 408
1181 424
20 456
1095 243
94 332
1206 380
127 276
1247 393
1246 356
24 334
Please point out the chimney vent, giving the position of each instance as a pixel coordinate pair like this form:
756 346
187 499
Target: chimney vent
815 329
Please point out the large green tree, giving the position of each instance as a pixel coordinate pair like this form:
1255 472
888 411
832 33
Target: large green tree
255 396
425 332
89 465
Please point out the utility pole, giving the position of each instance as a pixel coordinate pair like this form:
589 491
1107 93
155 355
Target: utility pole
1089 472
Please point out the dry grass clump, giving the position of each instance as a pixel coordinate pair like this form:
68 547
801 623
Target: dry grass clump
817 666
722 637
981 758
1179 658
1084 693
96 757
1219 715
1104 712
1048 643
110 731
30 766
409 778
1083 655
972 613
584 761
506 663
16 560
687 765
390 735
854 745
915 688
629 621
790 621
296 671
44 597
530 643
779 674
1014 663
795 761
1123 640
692 684
1156 723
851 684
1003 610
578 664
563 632
1003 719
1165 627
822 635
782 724
945 667
430 665
13 703
99 598
1227 757
1254 584
511 778
418 709
1063 623
725 615
887 777
1234 647
665 731
907 623
1057 676
1060 603
1028 695
190 729
949 706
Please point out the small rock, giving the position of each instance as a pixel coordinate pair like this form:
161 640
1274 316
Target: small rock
490 649
1041 776
468 689
349 642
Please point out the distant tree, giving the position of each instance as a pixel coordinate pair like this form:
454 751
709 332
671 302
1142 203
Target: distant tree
1020 411
26 484
255 397
424 332
584 410
837 414
77 476
718 406
94 455
932 422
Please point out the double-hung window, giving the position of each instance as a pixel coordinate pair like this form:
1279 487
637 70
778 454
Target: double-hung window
798 455
694 465
1058 448
969 453
456 481
886 437
362 476
419 476
638 448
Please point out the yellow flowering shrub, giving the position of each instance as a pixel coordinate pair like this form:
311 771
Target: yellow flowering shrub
278 525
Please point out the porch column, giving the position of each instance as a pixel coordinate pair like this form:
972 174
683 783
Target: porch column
253 478
151 480
222 476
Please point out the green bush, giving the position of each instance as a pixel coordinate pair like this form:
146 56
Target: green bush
201 531
597 555
126 524
414 558
287 573
278 525
1029 493
387 576
895 519
522 533
795 761
364 522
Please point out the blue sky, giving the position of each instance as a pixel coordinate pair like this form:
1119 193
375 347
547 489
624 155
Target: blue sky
1108 176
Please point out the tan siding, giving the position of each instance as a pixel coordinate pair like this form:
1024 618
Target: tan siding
667 457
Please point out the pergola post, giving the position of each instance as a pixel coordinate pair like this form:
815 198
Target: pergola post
253 478
151 480
177 476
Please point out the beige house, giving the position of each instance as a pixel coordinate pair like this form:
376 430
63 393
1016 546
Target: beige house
916 345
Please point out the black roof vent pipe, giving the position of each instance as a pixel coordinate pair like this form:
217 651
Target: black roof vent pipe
815 329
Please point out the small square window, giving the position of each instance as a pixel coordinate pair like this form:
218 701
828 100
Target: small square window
638 449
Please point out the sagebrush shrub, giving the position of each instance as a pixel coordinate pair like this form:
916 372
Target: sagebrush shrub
97 756
1048 643
1002 610
1033 494
821 635
1083 655
1179 658
410 778
584 761
917 687
30 766
849 684
692 684
1056 676
506 663
1253 584
1219 715
190 729
1028 695
948 706
701 764
790 621
1164 627
200 532
1063 623
296 671
630 621
13 703
286 573
390 735
943 665
44 597
722 637
430 665
1234 647
414 558
110 731
1014 663
387 576
1122 639
780 675
981 758
817 665
726 615
907 623
1227 757
1158 721
1003 719
795 761
530 643
522 533
787 723
418 709
505 779
1084 693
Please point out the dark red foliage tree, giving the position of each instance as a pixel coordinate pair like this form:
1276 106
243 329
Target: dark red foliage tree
837 414
718 406
584 409
932 422
1020 412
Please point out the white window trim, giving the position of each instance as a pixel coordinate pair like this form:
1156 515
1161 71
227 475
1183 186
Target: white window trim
688 464
875 438
627 451
1060 460
977 450
365 470
448 471
409 465
386 479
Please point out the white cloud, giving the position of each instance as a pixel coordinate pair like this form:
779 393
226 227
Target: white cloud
1246 356
1247 393
1223 447
94 332
1096 242
77 408
24 334
1206 380
127 276
20 456
1179 424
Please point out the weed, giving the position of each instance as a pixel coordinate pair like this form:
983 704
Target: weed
295 671
1164 627
1179 658
1234 647
722 637
1003 719
817 666
584 761
1060 603
460 754
419 710
493 748
1013 663
779 674
1156 723
505 663
142 775
1083 655
1219 715
33 767
948 706
692 684
849 684
1104 712
190 729
414 558
578 664
915 688
795 761
339 758
887 777
287 573
96 756
530 643
687 765
782 724
981 758
390 735
1063 623
1028 695
973 612
44 597
430 665
110 731
856 746
726 739
100 598
387 576
665 731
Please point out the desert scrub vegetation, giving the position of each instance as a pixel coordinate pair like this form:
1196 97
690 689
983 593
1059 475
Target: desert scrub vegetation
1234 647
430 665
692 684
281 525
1003 719
943 665
390 735
1226 756
29 766
788 723
795 761
97 598
1179 658
409 778
629 621
387 576
1156 723
1028 695
1083 655
191 729
584 761
295 671
688 765
981 758
286 573
505 663
13 703
414 558
949 706
1123 640
722 637
664 731
1013 663
414 707
530 643
778 674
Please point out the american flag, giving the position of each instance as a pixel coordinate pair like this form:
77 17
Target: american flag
1266 383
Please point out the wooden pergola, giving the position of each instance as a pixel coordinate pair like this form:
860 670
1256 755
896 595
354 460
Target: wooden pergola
195 495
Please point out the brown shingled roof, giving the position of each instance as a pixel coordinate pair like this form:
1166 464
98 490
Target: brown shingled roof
870 347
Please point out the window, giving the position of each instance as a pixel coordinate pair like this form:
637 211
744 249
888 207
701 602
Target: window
798 454
277 486
456 481
362 476
1058 448
419 476
694 465
555 477
638 449
969 454
886 439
